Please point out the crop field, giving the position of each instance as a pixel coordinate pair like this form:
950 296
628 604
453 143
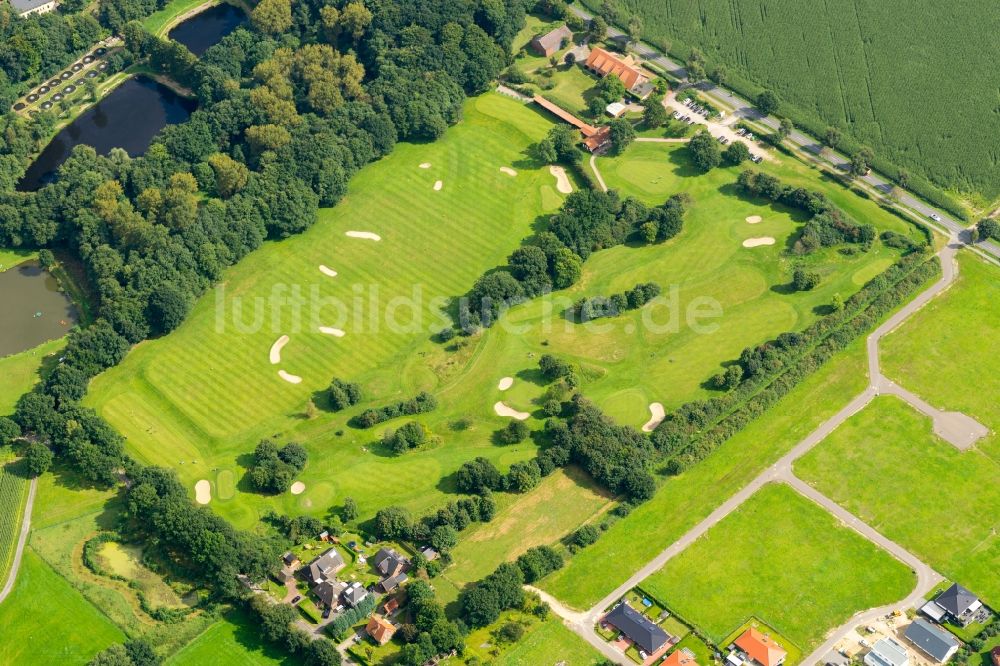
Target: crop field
13 495
784 560
881 464
562 502
686 499
887 72
43 607
941 352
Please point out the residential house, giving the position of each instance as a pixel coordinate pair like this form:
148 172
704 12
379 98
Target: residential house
956 604
392 582
429 554
328 592
887 652
552 41
380 629
636 79
760 648
637 628
325 566
936 643
682 657
995 655
354 594
390 563
28 7
390 606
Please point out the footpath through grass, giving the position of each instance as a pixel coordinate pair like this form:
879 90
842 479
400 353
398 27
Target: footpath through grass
887 467
782 559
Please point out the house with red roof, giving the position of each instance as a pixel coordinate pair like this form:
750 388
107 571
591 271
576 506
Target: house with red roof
760 648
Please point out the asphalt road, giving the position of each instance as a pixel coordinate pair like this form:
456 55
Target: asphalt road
796 138
21 540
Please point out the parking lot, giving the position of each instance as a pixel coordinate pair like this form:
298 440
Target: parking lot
723 129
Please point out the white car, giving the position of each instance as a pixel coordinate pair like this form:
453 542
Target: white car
935 217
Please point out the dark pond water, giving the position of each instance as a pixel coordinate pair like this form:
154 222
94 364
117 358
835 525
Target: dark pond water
34 310
128 118
203 30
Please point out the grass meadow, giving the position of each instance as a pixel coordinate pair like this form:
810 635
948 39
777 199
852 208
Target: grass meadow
947 352
821 61
46 621
784 560
237 640
550 642
887 467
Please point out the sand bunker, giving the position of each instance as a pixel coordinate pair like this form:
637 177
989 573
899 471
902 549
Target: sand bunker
562 180
203 492
438 185
290 378
367 235
425 165
331 331
505 383
754 242
298 488
503 410
327 271
753 219
656 415
508 171
276 349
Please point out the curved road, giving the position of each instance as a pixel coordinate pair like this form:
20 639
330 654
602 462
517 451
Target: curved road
21 540
956 425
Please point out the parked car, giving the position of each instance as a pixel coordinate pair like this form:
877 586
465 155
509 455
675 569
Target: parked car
326 613
935 217
296 599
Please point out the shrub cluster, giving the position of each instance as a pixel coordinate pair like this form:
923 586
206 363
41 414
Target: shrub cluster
343 394
407 436
538 562
431 633
274 469
419 404
393 522
596 307
482 603
828 225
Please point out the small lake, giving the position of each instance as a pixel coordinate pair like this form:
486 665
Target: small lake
204 30
129 117
33 309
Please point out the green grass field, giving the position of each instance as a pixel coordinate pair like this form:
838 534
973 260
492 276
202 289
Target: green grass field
887 467
945 354
783 559
175 398
159 22
45 621
20 372
558 505
10 257
822 62
550 643
237 640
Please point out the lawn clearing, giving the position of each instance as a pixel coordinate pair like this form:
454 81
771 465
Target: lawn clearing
561 503
20 372
238 639
944 352
686 499
160 22
43 607
887 467
550 643
782 559
12 257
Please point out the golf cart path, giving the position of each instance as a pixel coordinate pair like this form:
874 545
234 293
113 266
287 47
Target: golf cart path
22 539
782 472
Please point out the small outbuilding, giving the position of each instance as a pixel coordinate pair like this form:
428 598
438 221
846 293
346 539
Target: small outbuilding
552 41
615 109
